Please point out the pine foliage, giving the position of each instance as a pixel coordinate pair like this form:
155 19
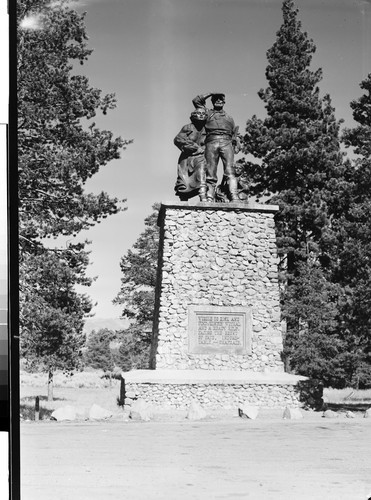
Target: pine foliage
297 143
98 352
59 149
300 167
137 295
354 242
139 270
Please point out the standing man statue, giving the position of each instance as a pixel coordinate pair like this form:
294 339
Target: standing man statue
221 142
191 179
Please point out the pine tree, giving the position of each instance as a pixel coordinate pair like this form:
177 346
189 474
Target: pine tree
59 145
137 294
52 313
298 142
97 353
139 270
134 349
299 167
354 244
59 149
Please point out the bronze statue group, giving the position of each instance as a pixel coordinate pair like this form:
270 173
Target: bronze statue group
212 135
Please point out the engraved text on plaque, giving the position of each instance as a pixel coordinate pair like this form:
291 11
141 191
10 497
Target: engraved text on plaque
214 329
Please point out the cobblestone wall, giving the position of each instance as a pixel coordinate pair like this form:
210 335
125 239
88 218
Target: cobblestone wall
221 257
214 395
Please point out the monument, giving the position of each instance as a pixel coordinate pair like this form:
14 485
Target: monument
217 334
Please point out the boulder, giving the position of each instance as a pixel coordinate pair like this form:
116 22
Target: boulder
82 413
368 413
292 413
130 395
248 411
195 411
96 412
64 413
140 410
330 414
350 414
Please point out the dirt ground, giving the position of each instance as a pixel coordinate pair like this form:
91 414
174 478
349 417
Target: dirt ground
224 457
172 458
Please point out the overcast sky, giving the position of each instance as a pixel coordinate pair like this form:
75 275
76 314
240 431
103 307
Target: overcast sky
156 55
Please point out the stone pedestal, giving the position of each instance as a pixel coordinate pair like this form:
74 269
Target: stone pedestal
217 303
217 310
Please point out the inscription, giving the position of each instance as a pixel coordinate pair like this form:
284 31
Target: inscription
220 330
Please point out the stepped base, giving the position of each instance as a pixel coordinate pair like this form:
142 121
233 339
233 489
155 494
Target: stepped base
213 388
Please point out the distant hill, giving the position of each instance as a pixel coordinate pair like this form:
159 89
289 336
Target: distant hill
110 323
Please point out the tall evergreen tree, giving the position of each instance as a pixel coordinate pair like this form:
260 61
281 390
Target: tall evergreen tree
98 353
137 294
297 143
59 145
354 244
299 163
139 269
52 313
59 149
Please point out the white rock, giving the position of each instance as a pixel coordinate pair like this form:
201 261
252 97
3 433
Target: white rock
141 410
196 412
130 395
96 412
330 414
64 413
82 413
368 413
248 411
292 413
350 414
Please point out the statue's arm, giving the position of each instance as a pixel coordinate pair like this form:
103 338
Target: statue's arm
200 100
184 143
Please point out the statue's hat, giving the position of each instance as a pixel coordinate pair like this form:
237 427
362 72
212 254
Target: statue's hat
217 95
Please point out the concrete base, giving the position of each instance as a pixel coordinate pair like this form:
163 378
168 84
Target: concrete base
212 388
209 377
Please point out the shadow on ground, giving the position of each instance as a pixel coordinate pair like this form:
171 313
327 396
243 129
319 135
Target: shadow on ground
27 408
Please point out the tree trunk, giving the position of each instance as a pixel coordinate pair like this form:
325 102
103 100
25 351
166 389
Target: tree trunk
292 324
50 385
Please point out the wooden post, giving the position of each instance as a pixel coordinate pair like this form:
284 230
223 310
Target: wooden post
37 408
122 392
50 385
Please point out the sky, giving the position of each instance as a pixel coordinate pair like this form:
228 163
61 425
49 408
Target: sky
156 55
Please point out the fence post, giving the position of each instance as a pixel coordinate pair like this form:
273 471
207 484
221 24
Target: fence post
37 408
122 392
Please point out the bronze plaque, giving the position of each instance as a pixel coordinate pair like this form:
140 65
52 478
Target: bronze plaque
219 330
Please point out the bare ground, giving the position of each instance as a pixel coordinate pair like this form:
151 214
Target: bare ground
223 457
